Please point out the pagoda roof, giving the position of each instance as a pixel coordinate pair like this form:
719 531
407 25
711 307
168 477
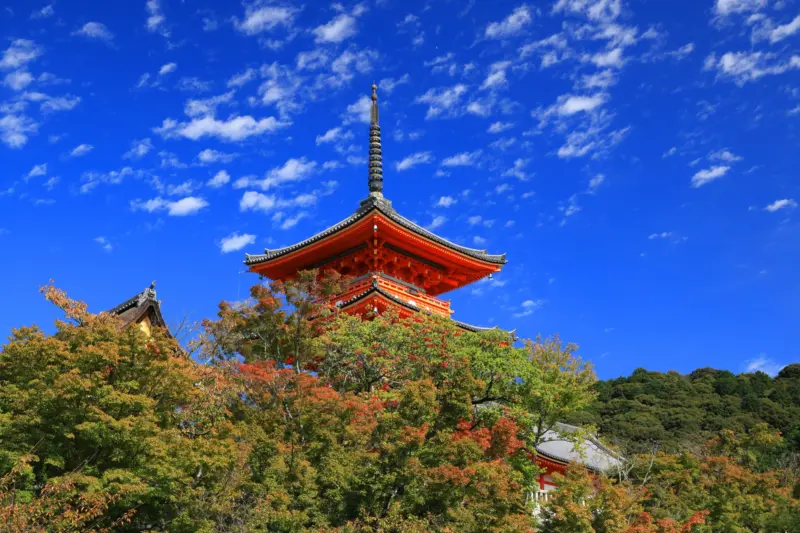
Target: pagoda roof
134 309
375 288
383 206
480 329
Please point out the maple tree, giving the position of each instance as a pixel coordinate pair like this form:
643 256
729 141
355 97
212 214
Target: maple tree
289 416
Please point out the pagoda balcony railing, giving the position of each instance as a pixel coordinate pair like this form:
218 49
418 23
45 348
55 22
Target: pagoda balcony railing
399 289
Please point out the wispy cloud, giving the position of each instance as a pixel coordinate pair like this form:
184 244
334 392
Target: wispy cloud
190 205
235 242
762 363
95 30
708 175
777 205
413 160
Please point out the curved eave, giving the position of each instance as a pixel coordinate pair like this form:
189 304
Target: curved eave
376 289
384 207
480 329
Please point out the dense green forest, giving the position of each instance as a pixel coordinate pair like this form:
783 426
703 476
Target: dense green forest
676 411
286 416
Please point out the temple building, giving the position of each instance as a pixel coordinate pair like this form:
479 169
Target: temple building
391 262
144 310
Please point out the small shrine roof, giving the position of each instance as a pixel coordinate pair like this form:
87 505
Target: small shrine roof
384 206
590 452
135 308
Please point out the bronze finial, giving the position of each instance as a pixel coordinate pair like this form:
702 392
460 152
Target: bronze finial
375 152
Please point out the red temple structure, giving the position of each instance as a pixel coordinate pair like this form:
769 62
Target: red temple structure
390 261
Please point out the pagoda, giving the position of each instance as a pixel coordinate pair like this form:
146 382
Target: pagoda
388 261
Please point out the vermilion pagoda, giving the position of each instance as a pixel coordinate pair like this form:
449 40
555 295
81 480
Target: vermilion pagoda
394 263
391 261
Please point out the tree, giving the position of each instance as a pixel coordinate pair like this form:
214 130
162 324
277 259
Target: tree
120 424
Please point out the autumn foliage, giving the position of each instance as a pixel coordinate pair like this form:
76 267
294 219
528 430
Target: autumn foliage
284 416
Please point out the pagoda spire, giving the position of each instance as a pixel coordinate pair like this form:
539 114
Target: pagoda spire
375 153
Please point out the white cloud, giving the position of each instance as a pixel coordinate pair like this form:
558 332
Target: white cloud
37 170
511 25
464 159
167 68
51 183
414 160
206 106
595 182
156 22
183 207
182 189
662 235
333 135
612 58
596 10
219 179
46 12
570 105
95 30
255 201
437 222
787 30
102 241
729 7
499 127
387 85
260 19
114 177
292 170
762 363
443 100
708 175
235 242
238 80
497 75
777 205
446 201
138 149
528 307
599 80
209 156
743 67
81 150
290 222
51 104
669 153
725 155
358 111
518 170
19 53
18 80
235 128
337 30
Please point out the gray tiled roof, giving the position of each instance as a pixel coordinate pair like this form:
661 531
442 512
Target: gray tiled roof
590 452
384 206
135 308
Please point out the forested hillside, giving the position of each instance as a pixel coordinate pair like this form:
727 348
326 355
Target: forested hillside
678 411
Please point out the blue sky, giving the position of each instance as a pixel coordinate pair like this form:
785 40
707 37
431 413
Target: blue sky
638 161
